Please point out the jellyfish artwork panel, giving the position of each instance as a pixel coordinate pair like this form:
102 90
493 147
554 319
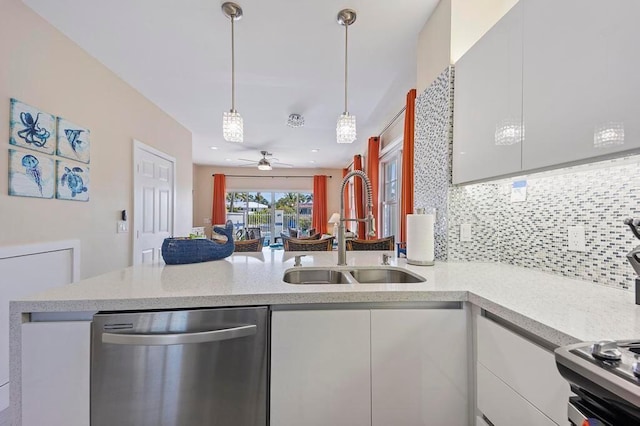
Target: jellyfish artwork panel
31 128
30 175
72 181
73 141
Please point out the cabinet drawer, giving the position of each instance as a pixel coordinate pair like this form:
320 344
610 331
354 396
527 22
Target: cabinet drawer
503 406
526 367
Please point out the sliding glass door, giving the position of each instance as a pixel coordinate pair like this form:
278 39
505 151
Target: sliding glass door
271 212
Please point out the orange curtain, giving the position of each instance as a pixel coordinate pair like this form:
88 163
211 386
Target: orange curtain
219 210
319 214
359 202
406 198
373 169
346 197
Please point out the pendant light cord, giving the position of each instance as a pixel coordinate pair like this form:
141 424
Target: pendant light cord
233 68
346 58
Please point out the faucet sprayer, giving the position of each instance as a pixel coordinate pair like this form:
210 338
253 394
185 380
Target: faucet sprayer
369 220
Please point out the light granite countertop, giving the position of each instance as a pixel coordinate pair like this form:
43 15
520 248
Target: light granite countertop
557 309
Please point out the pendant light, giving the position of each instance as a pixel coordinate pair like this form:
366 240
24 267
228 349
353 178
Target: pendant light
346 126
232 125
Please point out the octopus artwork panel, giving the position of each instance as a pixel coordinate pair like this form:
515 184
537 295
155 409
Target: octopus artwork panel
72 181
73 141
30 175
31 128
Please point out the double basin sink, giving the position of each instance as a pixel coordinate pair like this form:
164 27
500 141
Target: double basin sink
353 275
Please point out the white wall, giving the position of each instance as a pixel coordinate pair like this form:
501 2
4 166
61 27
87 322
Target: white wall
42 67
452 29
471 19
434 45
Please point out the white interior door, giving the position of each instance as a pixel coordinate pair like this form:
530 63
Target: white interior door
154 189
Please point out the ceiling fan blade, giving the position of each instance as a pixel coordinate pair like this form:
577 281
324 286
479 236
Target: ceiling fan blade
250 161
282 165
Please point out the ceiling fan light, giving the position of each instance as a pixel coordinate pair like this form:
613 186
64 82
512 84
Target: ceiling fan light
346 128
232 127
263 164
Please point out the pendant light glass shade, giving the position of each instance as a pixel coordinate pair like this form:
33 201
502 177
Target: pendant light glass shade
232 124
232 127
346 128
346 125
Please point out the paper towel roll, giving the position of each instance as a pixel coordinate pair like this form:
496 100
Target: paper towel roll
420 242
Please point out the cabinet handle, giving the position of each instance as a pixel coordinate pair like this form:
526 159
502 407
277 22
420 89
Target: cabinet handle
178 338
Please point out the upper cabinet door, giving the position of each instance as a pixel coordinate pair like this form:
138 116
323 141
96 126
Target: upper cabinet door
581 80
488 103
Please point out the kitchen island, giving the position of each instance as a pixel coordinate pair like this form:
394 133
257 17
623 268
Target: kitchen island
554 309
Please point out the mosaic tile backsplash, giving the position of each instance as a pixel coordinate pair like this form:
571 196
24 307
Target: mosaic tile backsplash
534 233
432 158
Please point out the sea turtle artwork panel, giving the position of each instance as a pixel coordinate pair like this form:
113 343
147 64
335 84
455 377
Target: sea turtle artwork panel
72 181
30 174
31 128
73 141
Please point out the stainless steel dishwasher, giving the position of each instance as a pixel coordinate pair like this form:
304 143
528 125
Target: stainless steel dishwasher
183 368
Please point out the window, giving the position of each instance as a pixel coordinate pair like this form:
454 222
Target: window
390 194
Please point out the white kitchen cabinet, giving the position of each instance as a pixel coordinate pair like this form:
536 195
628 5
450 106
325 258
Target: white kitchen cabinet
488 103
320 368
55 373
419 367
503 406
522 367
27 270
369 367
580 80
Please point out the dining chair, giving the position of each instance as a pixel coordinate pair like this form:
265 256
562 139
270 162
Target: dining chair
379 244
248 245
308 245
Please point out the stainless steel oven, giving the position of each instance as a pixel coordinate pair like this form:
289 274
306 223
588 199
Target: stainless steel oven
604 378
182 368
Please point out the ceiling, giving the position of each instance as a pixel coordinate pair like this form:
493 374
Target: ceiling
289 59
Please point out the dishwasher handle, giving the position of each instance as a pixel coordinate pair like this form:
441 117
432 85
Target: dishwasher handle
178 338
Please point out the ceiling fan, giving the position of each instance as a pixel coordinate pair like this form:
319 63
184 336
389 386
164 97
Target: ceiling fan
264 163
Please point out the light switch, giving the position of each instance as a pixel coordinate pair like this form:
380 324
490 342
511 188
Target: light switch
465 232
123 226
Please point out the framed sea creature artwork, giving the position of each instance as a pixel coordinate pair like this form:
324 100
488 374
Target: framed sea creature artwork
73 141
72 181
30 174
31 128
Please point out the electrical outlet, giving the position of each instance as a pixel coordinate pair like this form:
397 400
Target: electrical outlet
577 240
465 232
123 226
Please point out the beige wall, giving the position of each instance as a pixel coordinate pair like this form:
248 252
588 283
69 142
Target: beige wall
42 67
263 181
434 46
471 19
452 29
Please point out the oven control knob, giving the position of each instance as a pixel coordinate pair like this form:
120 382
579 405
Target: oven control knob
606 350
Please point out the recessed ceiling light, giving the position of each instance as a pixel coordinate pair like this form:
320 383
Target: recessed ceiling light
315 150
214 147
295 120
311 161
227 159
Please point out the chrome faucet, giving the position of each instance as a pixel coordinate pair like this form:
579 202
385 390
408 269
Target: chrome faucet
369 220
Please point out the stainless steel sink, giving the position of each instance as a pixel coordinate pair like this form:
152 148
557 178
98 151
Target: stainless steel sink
363 275
385 275
316 276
